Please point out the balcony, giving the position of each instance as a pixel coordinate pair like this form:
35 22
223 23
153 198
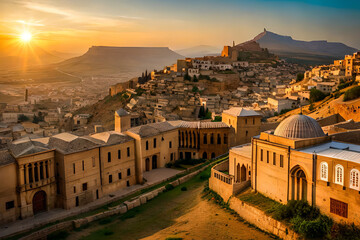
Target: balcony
37 184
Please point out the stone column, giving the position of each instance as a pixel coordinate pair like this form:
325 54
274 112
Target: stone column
26 174
33 172
22 174
51 168
44 169
38 170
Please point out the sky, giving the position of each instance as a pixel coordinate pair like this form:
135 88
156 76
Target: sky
75 25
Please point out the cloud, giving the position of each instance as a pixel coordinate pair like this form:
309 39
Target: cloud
29 23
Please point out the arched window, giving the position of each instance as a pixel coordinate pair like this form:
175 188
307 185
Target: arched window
324 171
354 179
339 174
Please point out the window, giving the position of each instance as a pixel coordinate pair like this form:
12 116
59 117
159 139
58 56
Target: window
110 178
218 139
83 165
84 186
261 155
205 138
274 158
338 208
147 145
246 133
339 174
128 172
354 179
128 152
154 142
9 205
74 168
170 144
211 138
109 156
119 175
282 161
324 171
267 156
119 154
74 189
127 183
93 161
253 120
225 139
245 120
171 156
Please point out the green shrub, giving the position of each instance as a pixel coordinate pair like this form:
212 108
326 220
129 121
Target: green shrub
108 232
284 111
169 187
217 119
352 93
316 95
317 228
311 107
184 189
341 231
168 165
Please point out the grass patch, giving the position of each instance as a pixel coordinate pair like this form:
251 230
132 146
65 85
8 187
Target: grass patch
58 235
260 201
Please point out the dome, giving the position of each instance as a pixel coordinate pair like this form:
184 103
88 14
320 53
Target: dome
299 126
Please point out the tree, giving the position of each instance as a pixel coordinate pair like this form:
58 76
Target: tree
195 79
299 77
187 77
352 93
311 107
316 95
23 118
201 112
195 89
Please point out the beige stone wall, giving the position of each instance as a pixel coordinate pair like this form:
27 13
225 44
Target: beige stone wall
86 172
8 179
236 161
122 123
244 128
117 167
261 220
326 190
199 147
162 151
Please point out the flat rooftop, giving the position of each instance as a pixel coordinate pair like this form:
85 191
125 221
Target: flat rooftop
344 151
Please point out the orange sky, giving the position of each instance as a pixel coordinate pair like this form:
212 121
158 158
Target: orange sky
74 26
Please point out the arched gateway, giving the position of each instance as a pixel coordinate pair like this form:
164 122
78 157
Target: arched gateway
39 202
298 184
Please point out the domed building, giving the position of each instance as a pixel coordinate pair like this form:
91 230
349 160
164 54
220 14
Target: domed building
298 161
299 126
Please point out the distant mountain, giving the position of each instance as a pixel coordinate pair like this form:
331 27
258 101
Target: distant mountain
23 57
313 52
103 60
200 51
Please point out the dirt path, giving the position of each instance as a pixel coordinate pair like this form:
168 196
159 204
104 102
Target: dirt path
176 213
207 220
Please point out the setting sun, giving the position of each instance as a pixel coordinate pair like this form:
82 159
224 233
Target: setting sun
26 37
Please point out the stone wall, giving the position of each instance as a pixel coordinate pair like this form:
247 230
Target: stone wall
261 220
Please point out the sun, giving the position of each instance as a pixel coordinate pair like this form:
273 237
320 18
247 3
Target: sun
26 37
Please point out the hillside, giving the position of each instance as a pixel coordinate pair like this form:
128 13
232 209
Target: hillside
102 60
312 52
199 51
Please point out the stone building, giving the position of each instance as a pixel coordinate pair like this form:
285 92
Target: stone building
244 123
204 140
298 162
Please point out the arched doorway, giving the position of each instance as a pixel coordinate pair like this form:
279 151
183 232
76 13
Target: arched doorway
212 155
154 162
147 164
204 156
238 173
243 173
39 202
298 184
